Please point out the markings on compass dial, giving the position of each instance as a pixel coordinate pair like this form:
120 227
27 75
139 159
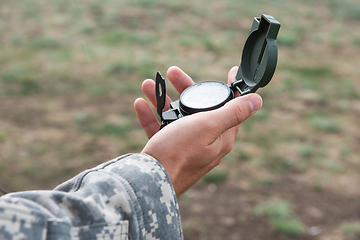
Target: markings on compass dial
205 95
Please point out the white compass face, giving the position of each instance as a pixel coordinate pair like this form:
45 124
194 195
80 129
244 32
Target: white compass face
205 95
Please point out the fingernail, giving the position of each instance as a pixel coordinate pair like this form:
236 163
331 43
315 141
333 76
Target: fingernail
234 67
255 102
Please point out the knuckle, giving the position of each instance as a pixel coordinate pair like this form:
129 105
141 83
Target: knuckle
212 126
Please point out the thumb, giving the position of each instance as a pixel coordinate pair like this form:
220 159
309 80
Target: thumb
235 112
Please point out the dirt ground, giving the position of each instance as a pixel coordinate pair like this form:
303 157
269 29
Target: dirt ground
227 213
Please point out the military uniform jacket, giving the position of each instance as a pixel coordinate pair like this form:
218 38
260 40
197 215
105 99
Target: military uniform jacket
130 197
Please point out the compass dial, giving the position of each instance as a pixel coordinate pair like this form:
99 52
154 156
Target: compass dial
205 96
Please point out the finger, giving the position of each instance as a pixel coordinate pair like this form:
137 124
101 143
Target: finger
179 79
232 74
146 117
233 113
232 77
148 87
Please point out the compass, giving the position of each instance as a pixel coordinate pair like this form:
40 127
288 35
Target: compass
258 64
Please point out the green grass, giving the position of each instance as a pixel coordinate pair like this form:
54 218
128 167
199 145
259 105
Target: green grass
216 176
19 81
288 40
349 10
45 43
281 216
97 127
306 151
351 229
324 123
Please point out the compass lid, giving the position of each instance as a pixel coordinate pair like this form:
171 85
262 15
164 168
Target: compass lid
259 57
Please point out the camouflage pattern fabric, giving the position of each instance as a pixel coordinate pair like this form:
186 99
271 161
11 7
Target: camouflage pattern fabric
130 197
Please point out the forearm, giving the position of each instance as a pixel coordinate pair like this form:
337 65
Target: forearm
129 196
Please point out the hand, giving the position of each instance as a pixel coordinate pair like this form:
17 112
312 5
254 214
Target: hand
193 145
180 81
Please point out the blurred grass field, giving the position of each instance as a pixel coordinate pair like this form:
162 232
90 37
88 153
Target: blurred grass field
71 69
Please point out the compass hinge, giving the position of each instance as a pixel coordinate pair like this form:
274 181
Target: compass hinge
241 87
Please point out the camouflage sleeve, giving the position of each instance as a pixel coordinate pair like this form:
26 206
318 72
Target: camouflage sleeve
130 197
